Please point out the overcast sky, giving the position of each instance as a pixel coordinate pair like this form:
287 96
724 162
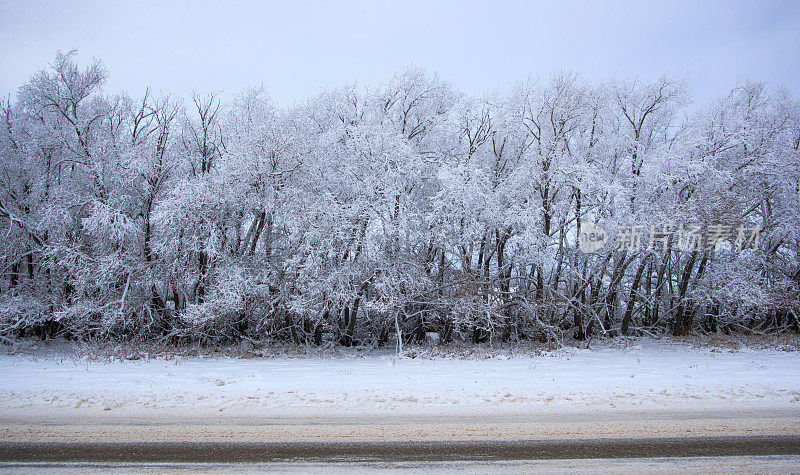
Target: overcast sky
297 48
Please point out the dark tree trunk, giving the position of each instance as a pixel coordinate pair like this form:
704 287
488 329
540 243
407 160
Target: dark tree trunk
13 276
202 260
611 297
626 320
257 233
318 329
347 339
683 319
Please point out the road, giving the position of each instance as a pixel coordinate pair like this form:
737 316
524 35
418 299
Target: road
43 425
629 440
398 451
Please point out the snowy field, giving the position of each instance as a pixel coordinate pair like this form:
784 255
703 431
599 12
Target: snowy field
644 375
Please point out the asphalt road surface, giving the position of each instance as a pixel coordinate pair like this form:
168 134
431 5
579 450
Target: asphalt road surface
753 441
253 452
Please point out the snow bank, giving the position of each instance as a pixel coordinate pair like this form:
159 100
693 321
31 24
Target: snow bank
648 374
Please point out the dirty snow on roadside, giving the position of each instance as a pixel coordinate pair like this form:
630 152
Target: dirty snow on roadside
645 374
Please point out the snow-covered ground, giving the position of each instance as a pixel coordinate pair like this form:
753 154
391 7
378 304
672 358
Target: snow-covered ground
645 375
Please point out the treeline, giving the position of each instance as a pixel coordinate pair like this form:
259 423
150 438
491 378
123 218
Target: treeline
367 213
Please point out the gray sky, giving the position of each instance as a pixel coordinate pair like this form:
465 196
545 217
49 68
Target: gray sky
296 48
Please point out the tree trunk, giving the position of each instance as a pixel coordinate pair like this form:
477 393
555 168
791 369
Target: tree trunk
611 297
257 233
683 320
202 260
626 320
